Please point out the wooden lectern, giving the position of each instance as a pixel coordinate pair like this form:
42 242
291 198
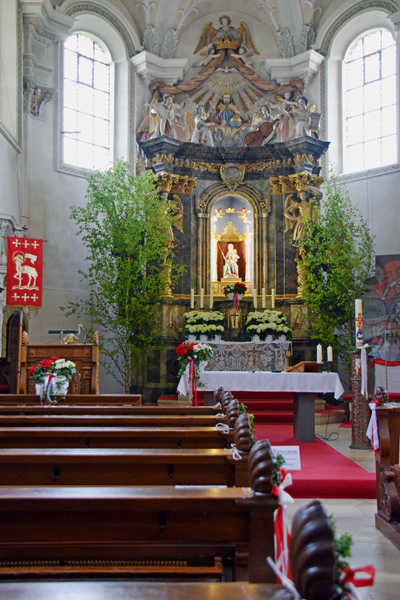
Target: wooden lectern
306 366
85 356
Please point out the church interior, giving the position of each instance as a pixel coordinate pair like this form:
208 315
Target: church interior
127 486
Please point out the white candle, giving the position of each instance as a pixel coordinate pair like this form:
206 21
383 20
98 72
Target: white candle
202 298
273 298
319 354
255 297
211 298
192 298
263 299
359 323
329 354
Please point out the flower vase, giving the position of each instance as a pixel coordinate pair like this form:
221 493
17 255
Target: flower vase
191 338
218 339
282 338
269 338
202 365
52 389
256 339
230 296
203 337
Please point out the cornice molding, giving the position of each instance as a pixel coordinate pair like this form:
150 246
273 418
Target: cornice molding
362 6
92 7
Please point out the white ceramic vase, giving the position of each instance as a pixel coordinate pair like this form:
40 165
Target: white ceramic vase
203 337
256 339
230 296
191 338
282 338
269 338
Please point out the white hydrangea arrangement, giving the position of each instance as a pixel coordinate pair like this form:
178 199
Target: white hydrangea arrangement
209 323
268 322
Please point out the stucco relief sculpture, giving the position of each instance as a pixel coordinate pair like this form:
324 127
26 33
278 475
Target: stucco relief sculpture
229 101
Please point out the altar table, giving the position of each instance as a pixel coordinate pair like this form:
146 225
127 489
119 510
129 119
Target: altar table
248 356
304 387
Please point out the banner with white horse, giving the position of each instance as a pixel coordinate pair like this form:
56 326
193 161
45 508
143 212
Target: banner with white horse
24 271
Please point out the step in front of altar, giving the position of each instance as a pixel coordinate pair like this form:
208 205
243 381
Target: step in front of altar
270 407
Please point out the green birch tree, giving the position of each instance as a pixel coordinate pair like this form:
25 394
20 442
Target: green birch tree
336 258
126 228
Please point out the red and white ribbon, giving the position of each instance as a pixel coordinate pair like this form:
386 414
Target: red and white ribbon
236 301
281 524
192 379
372 430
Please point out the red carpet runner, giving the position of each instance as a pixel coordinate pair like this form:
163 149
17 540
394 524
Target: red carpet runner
325 473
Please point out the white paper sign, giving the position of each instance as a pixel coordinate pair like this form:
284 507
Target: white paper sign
291 454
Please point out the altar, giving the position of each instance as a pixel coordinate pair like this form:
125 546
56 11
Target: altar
304 387
248 356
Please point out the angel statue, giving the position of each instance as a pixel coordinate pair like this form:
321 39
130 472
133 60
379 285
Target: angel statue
163 117
226 36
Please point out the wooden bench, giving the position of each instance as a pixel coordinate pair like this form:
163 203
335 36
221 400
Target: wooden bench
387 519
114 437
63 409
90 399
88 420
112 466
312 560
51 526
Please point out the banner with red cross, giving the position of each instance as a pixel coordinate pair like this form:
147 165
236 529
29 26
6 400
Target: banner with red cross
24 272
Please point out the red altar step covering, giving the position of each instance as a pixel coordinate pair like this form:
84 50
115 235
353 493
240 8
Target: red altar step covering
267 407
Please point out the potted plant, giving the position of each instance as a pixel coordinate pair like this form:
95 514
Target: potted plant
231 288
52 377
193 354
202 323
268 325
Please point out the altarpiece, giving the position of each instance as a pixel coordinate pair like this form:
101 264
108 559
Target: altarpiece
238 155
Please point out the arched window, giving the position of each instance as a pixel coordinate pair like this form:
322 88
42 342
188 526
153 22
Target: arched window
86 118
370 136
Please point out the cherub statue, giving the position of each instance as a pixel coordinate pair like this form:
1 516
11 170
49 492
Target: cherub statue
225 32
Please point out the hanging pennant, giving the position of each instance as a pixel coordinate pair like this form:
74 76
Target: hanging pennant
24 272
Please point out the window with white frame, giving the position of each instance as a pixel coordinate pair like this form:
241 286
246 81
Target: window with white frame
370 103
86 119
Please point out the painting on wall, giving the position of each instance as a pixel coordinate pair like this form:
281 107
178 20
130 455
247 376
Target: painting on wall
382 309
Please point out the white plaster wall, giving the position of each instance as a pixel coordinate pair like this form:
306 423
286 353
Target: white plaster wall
10 177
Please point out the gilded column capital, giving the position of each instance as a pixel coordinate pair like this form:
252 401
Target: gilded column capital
276 185
176 184
302 181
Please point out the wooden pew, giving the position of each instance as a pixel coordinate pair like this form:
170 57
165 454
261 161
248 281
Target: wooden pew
114 437
63 409
45 528
387 518
110 466
312 559
88 420
90 399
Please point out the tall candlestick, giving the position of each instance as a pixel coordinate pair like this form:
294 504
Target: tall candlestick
329 354
192 298
211 298
202 298
263 299
255 297
273 298
319 354
359 323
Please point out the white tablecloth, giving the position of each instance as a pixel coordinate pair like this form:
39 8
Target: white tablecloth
264 381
